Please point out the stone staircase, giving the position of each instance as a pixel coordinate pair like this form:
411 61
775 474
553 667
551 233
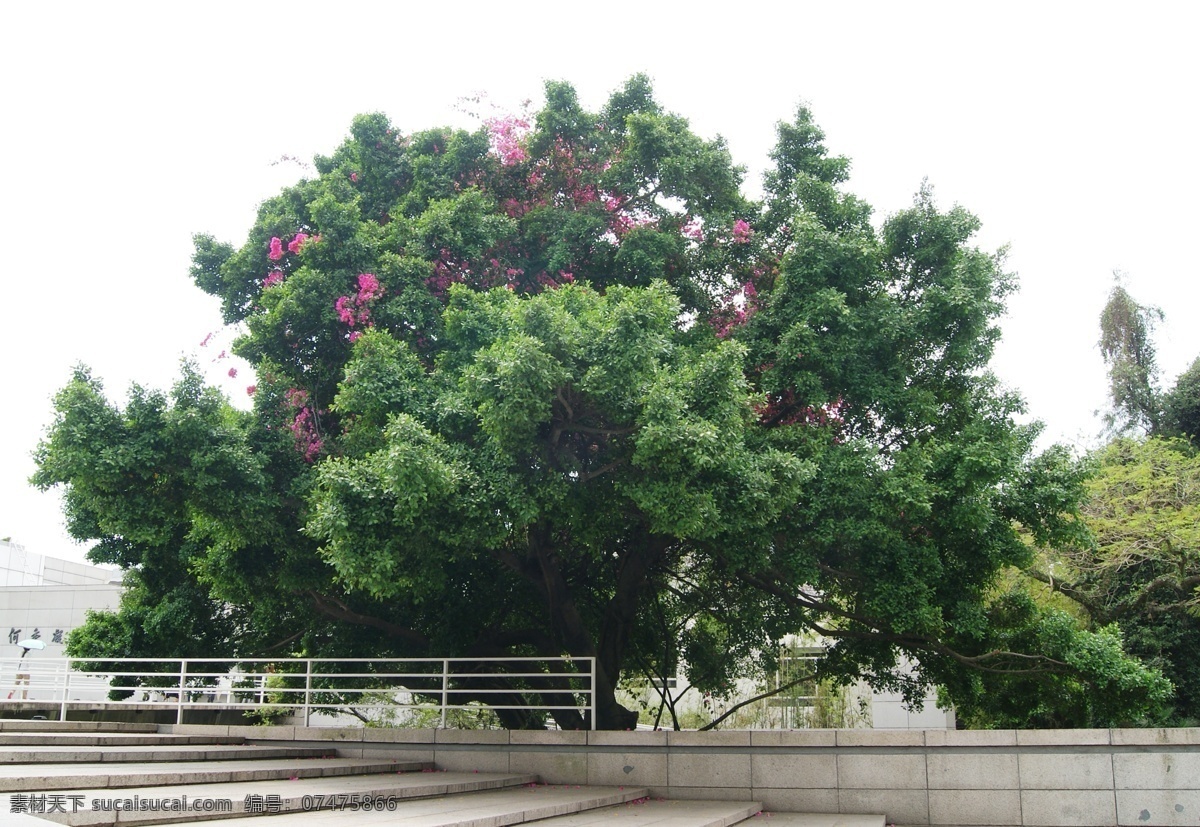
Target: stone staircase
89 773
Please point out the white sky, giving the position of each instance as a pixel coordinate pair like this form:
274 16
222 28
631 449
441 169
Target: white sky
1068 128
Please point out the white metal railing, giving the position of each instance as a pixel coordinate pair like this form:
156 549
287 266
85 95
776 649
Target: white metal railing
302 686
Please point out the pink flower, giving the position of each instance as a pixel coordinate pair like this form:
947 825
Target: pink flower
273 278
506 135
276 251
296 243
368 287
354 177
233 373
251 390
355 335
693 229
344 310
204 342
741 232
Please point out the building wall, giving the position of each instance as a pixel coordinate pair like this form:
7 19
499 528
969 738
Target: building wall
44 598
19 567
888 712
49 613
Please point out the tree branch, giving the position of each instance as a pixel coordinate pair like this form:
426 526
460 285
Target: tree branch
749 701
283 642
912 642
332 607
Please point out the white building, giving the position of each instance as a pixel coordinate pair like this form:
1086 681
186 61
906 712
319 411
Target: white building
44 598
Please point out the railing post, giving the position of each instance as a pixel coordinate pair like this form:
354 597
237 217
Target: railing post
182 684
592 699
62 710
307 688
445 688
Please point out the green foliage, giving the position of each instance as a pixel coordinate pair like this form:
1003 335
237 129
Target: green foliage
1104 687
1181 406
557 387
1140 568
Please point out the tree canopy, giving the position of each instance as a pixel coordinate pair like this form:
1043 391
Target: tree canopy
556 386
1140 570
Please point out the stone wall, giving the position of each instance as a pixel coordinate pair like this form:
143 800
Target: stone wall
1063 777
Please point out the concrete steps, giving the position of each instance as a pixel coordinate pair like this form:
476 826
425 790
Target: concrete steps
75 776
16 725
58 754
487 809
94 775
145 804
109 739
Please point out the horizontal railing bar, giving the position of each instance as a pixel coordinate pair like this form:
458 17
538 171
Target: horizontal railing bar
101 658
250 683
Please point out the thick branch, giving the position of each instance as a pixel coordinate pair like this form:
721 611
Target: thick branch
1065 588
604 469
912 642
1185 585
332 607
283 642
588 429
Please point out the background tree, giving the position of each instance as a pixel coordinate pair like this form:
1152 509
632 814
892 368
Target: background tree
1181 406
1126 343
555 386
1138 568
1141 570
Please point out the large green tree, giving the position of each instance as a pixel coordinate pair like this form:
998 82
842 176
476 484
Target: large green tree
555 386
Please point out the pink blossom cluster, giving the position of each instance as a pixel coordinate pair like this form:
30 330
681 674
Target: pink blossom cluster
621 220
620 224
275 252
303 426
550 282
448 269
507 135
304 429
741 232
356 310
369 287
693 228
